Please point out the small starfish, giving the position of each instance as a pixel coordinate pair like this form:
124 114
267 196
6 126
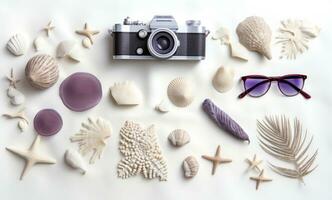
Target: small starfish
12 79
216 160
253 164
48 28
260 178
87 32
31 156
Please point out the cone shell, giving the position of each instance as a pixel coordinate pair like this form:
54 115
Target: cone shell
223 79
180 92
190 167
179 137
255 34
42 71
17 45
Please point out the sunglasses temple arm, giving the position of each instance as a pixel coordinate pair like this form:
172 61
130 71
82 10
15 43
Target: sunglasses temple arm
305 95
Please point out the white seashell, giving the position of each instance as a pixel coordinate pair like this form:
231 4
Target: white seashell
17 45
126 93
162 107
190 167
223 80
42 71
39 43
92 137
238 51
294 36
16 97
22 125
255 34
86 42
179 137
69 49
75 160
180 91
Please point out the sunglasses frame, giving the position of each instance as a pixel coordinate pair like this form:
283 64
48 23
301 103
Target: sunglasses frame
269 80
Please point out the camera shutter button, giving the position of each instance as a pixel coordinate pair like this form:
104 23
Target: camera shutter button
139 51
142 33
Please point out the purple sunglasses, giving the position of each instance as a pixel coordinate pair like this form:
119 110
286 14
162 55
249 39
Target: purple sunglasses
289 85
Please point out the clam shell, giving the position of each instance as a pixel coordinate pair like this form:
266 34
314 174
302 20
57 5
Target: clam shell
190 167
42 71
179 137
255 34
180 91
17 45
68 49
75 160
162 107
39 43
223 80
126 93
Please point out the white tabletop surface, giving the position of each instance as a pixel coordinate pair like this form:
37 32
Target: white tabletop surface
230 182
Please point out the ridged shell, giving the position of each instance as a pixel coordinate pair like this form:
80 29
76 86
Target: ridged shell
42 71
180 91
126 93
223 79
179 137
190 167
17 45
255 34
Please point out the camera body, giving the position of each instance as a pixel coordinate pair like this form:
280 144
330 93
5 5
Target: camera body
162 38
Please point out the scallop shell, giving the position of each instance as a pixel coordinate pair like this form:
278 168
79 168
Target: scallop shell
42 71
75 160
17 45
180 92
255 34
179 137
223 79
69 49
126 93
190 167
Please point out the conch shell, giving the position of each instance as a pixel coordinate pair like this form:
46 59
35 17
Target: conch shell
255 34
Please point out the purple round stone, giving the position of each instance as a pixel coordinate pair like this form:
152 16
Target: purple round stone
80 91
47 122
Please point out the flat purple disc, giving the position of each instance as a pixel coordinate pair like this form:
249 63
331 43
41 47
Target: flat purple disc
80 91
47 122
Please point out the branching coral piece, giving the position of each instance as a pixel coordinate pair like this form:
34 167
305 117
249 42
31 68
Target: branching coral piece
294 36
92 137
141 152
288 144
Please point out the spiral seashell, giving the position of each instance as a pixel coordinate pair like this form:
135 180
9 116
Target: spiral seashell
42 71
180 92
255 34
17 45
179 137
190 167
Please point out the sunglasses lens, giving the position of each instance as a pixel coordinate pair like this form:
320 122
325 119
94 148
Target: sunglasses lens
291 86
257 86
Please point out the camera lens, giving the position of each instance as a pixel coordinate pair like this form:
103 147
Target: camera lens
162 43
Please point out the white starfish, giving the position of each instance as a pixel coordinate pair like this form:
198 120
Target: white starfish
31 156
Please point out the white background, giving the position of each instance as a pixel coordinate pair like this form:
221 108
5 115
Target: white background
230 181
